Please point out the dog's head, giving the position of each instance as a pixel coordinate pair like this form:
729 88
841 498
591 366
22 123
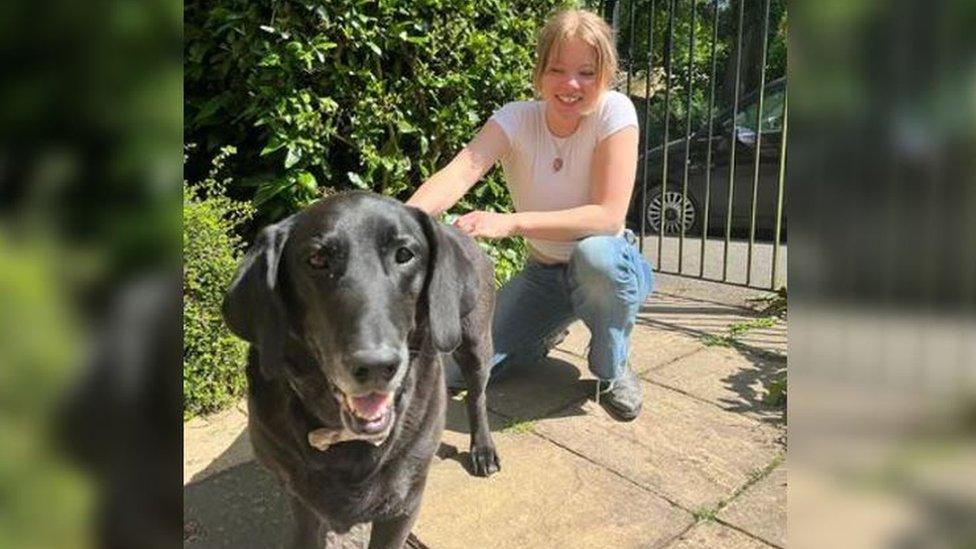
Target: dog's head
350 278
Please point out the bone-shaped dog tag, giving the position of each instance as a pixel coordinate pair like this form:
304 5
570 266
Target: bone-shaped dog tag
322 438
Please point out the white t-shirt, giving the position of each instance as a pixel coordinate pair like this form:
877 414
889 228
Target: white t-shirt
534 183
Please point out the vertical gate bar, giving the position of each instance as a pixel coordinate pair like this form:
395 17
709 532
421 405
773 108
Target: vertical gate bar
779 191
630 44
759 120
735 110
708 154
668 48
647 127
968 282
616 17
684 182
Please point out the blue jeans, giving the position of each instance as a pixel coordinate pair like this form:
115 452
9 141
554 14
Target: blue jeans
604 284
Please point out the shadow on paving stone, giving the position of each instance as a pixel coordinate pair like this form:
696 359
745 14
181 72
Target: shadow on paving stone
237 453
244 507
240 507
525 393
751 385
767 372
703 320
548 389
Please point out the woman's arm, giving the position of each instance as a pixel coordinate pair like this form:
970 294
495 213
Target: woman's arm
443 189
613 171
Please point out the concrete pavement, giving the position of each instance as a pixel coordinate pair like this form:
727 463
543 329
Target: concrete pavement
703 466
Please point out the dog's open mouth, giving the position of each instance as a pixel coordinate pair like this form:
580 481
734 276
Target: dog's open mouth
369 414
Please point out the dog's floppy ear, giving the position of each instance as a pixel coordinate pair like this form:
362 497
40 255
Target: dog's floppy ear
451 284
253 307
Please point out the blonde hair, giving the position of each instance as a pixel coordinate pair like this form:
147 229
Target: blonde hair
589 27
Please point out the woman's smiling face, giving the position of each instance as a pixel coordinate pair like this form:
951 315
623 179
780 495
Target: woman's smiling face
571 82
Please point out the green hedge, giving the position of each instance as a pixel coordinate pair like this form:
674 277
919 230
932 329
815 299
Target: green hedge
354 94
213 358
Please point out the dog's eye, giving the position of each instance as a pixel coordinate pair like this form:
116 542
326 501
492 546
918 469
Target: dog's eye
403 255
319 260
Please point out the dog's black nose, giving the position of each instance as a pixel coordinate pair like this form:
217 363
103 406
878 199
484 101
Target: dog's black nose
380 364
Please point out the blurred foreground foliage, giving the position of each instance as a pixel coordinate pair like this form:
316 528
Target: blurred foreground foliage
39 346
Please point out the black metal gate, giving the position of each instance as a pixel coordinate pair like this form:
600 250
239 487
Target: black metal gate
709 204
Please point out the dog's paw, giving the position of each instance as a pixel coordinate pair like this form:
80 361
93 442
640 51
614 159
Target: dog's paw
484 460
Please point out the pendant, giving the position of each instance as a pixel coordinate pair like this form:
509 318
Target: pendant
557 164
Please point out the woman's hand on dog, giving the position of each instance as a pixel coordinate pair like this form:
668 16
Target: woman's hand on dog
482 224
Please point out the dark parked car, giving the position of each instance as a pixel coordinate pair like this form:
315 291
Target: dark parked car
674 211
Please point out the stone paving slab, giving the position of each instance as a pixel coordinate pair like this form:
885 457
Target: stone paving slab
689 451
761 509
456 438
536 390
712 535
542 497
576 340
690 315
650 347
772 339
244 507
241 507
215 443
700 318
730 378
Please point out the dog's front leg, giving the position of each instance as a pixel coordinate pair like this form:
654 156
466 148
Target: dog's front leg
473 357
393 533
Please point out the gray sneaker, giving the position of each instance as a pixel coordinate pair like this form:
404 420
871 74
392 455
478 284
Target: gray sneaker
622 397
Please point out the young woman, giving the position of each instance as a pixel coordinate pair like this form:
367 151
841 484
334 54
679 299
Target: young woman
570 159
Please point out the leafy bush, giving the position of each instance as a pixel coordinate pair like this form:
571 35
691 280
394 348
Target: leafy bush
508 257
213 358
353 94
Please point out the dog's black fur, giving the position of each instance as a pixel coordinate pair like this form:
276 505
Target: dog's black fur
359 293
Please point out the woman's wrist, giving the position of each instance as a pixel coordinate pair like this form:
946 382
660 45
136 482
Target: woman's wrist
515 223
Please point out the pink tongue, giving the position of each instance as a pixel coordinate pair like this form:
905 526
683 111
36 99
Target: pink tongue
370 405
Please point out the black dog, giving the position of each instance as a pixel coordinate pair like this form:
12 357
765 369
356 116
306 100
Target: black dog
347 306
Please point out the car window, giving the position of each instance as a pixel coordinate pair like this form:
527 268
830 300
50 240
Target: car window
772 113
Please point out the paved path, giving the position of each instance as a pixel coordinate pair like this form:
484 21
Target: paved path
703 466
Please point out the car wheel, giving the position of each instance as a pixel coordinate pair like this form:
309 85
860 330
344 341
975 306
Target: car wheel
672 210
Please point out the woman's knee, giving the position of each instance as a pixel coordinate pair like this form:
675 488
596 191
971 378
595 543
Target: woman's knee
599 260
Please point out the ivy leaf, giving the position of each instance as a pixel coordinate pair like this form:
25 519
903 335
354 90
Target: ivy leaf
307 181
269 189
208 109
405 127
356 180
272 146
293 157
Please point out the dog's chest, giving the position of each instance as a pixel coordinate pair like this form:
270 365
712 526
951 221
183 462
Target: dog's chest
344 503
